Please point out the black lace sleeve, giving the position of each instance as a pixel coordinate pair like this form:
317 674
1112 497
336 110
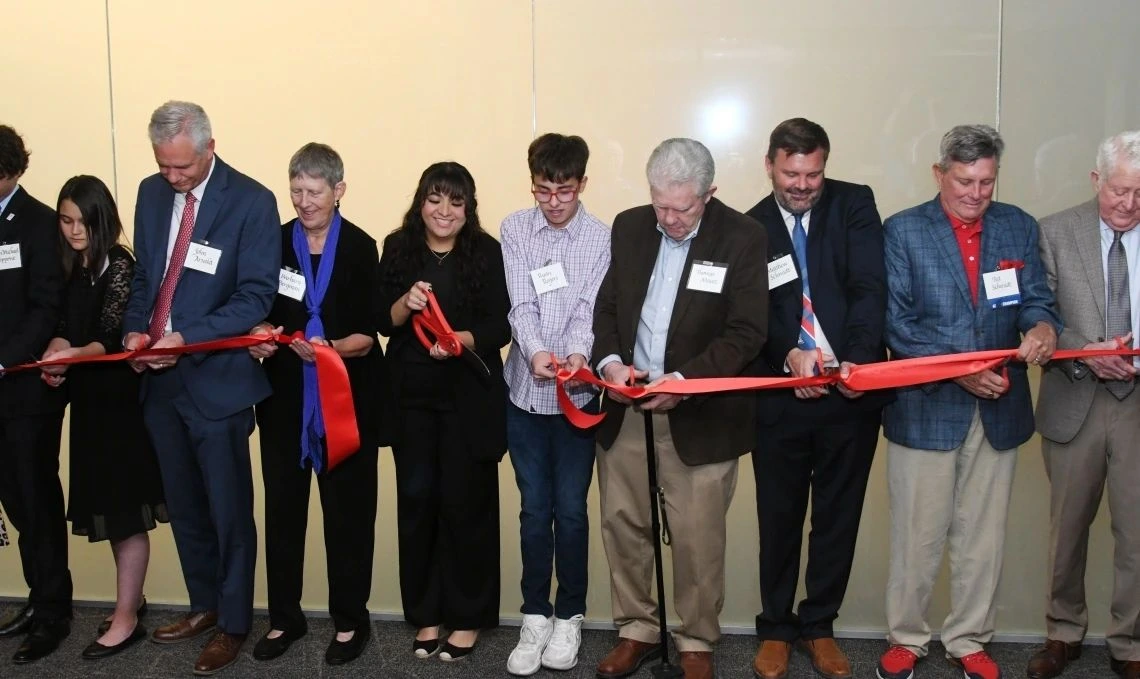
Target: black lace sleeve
119 274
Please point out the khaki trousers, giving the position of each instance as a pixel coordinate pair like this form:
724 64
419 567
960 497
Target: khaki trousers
958 496
1106 449
696 501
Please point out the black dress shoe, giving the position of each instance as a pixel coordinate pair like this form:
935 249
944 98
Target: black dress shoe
426 648
106 624
341 652
451 652
42 640
19 623
96 650
268 649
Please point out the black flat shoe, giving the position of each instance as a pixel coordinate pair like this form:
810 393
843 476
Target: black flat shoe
42 640
451 652
106 624
19 623
426 648
341 652
268 649
96 650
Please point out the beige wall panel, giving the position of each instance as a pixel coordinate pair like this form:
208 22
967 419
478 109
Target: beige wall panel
1068 80
393 87
886 79
56 96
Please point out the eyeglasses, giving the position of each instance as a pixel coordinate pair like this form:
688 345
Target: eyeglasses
565 195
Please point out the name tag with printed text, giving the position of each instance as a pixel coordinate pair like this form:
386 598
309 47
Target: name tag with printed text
781 270
549 277
1001 288
202 257
291 284
10 256
707 276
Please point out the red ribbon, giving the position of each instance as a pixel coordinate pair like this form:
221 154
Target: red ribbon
431 320
342 437
884 375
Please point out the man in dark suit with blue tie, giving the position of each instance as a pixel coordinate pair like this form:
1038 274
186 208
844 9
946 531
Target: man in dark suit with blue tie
209 250
826 309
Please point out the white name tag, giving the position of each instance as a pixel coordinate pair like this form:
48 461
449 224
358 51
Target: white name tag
10 256
291 284
707 276
1001 288
202 257
781 270
549 277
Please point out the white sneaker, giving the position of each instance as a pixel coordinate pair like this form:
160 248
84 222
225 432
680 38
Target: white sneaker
562 651
526 659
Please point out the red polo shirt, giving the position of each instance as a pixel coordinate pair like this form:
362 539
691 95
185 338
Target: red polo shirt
969 237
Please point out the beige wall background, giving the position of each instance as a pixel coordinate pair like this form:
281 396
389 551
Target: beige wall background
396 86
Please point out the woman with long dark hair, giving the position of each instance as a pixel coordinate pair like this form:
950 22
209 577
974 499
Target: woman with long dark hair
115 491
451 430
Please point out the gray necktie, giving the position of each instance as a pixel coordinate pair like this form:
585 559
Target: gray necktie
1119 307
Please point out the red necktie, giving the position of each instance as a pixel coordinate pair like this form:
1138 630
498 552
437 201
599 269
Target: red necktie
173 272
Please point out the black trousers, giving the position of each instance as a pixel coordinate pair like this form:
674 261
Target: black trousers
830 460
348 508
448 507
33 499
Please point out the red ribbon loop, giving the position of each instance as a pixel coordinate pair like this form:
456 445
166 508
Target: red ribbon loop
431 320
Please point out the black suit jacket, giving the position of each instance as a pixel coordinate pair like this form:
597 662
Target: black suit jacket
710 335
848 289
30 308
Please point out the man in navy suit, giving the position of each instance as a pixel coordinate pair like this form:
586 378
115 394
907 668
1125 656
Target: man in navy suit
963 274
826 307
209 250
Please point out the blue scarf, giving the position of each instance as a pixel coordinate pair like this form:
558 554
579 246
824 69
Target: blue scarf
313 424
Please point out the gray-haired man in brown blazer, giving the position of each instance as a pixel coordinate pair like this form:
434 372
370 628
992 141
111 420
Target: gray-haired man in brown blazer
1088 412
686 296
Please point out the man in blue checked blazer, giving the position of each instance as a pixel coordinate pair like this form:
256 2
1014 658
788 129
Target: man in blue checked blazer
963 274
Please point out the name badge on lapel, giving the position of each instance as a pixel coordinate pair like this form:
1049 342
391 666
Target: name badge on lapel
781 270
202 257
1001 288
10 256
291 284
707 276
549 277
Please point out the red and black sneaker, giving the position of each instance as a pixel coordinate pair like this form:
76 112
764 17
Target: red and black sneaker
897 663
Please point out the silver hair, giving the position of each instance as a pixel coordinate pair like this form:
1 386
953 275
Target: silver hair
318 161
968 143
680 161
176 117
1118 151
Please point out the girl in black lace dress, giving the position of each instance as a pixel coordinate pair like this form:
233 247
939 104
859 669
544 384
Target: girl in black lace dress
115 492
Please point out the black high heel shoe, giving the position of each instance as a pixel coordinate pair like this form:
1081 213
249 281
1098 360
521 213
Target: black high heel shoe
96 650
106 624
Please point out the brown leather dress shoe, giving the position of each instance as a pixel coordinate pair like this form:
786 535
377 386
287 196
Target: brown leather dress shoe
220 653
625 658
1050 661
1127 669
827 658
188 627
697 664
771 661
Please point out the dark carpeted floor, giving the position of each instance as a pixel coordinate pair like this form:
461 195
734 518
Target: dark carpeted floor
389 655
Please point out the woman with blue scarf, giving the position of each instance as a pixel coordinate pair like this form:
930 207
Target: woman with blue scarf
327 286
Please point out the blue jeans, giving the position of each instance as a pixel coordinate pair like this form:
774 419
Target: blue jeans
554 465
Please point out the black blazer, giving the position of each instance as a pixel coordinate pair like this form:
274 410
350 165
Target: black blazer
347 309
30 309
848 286
480 399
710 335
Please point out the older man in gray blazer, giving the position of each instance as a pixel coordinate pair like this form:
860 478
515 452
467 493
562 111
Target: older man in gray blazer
1089 412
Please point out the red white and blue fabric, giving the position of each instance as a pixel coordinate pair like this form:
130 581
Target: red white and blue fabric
807 320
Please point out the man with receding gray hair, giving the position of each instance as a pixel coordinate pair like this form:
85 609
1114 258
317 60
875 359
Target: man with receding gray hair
1088 412
686 296
963 274
208 247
